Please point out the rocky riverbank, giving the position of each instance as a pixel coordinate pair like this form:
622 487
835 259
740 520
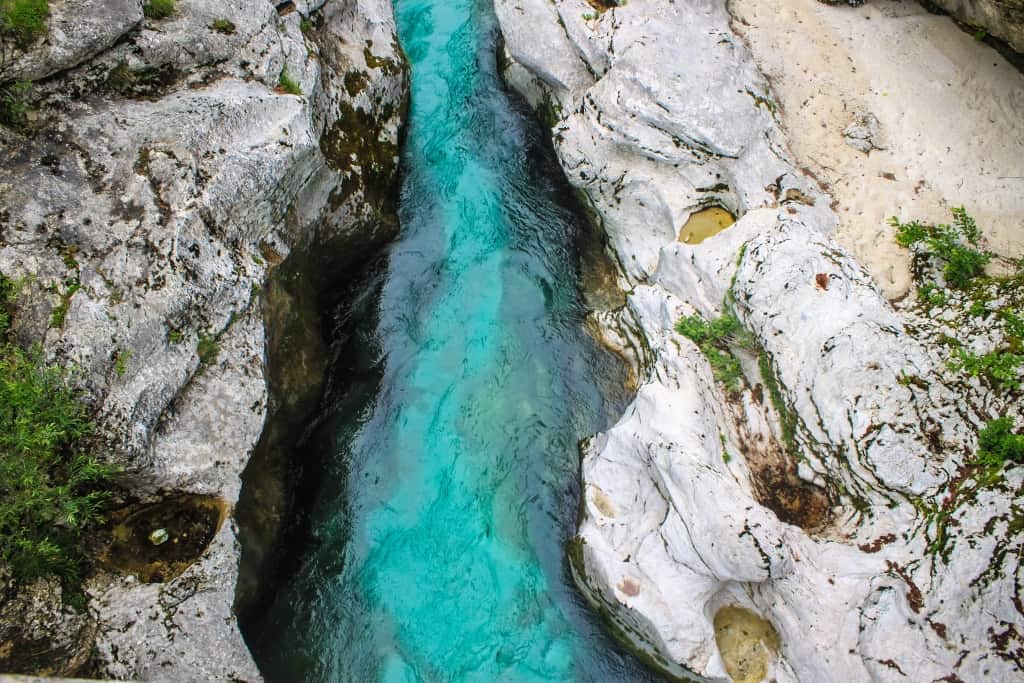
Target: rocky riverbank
816 516
168 167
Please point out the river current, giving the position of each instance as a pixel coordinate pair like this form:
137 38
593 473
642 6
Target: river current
450 488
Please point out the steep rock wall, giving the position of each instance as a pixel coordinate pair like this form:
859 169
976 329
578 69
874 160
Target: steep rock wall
657 111
161 178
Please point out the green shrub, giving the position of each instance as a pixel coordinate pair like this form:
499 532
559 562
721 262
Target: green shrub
961 262
8 291
998 444
306 26
931 295
998 367
121 362
60 311
724 330
158 9
715 338
287 84
22 21
223 26
51 490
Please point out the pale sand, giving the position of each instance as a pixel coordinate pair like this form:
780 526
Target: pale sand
951 113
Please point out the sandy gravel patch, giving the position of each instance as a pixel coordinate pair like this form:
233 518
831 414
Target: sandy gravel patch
949 113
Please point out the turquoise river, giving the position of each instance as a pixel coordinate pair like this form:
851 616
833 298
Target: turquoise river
442 521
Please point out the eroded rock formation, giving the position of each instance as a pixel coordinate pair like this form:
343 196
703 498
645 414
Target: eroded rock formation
657 111
164 174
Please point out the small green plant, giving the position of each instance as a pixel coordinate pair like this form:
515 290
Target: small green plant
158 9
120 78
981 34
207 350
121 362
52 490
715 339
590 16
14 103
931 295
998 367
175 336
1014 323
306 26
8 293
60 311
998 444
22 21
223 26
961 262
287 84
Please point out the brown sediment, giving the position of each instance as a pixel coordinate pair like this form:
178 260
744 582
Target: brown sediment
775 482
704 224
190 523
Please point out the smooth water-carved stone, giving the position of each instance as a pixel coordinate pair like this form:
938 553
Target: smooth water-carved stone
678 114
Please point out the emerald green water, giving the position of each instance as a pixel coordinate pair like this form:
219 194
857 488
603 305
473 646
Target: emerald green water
451 485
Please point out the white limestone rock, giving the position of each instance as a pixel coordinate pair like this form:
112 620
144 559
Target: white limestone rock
677 118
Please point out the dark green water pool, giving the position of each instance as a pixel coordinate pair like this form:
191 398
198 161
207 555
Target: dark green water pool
451 483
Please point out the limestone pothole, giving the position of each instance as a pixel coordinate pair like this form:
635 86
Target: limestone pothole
156 542
747 642
704 224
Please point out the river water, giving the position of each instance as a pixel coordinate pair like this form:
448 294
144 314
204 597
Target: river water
450 488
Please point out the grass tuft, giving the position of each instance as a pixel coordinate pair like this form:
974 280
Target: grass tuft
158 9
23 21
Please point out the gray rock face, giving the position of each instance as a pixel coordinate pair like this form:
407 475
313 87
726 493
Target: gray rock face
165 178
77 31
658 112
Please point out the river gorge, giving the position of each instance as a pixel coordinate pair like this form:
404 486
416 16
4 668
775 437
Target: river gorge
511 340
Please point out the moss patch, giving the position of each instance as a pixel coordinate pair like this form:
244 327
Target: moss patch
352 147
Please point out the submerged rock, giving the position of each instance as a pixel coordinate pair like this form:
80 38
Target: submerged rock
656 108
165 176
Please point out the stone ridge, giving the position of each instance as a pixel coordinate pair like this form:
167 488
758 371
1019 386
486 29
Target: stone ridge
163 176
657 111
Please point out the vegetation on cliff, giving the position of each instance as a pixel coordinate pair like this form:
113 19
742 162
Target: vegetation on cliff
52 490
22 21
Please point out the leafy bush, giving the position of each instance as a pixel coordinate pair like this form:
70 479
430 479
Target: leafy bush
287 84
725 329
961 262
158 9
22 21
998 367
997 443
51 490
